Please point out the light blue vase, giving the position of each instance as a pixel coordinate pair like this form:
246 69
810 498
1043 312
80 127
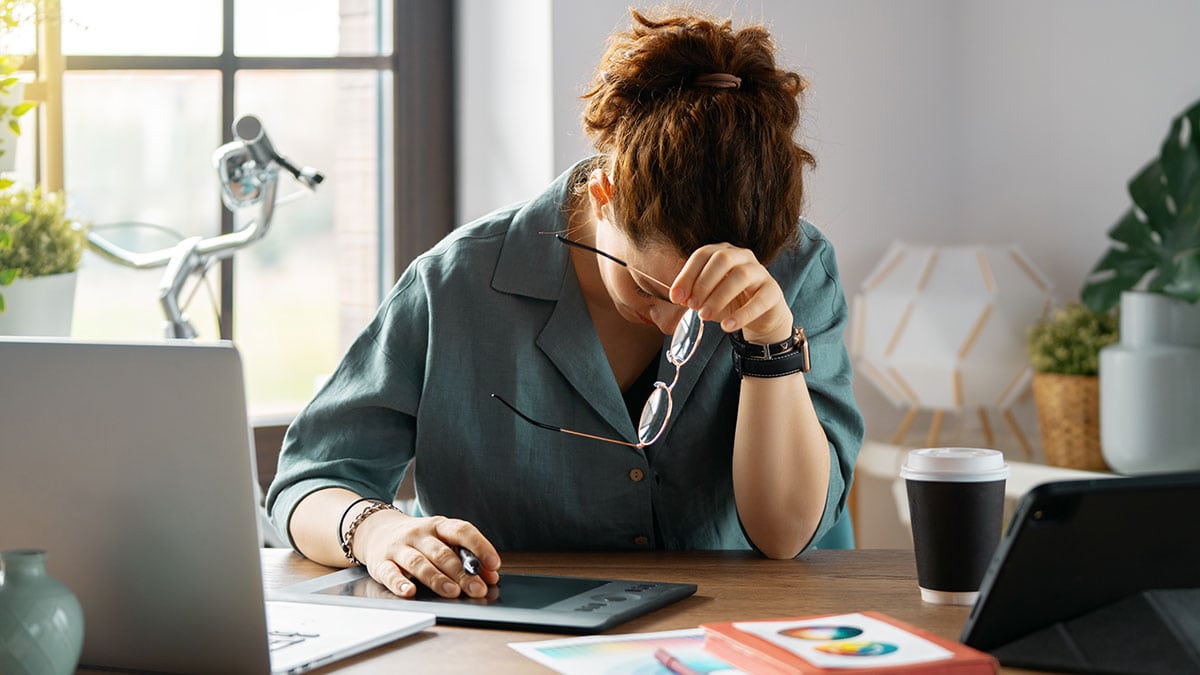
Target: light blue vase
1150 385
41 622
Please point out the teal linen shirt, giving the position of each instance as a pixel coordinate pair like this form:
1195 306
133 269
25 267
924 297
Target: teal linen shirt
496 307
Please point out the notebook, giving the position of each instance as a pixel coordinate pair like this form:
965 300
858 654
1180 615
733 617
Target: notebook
1078 560
131 465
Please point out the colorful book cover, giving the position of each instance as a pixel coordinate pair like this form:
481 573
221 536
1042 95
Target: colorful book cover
864 642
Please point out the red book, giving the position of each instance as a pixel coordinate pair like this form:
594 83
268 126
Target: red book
863 642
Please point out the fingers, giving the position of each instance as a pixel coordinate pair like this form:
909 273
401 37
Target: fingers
425 550
727 284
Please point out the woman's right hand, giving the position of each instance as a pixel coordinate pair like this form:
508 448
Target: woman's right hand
398 549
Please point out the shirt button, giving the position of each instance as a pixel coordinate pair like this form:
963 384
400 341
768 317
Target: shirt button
641 540
636 475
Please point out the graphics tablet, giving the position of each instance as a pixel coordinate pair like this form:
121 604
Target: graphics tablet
1077 546
523 601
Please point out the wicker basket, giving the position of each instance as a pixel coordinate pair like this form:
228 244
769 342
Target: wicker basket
1068 409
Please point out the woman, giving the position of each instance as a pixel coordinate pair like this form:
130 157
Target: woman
550 316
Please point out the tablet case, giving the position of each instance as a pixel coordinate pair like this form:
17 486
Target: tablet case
1150 633
1091 568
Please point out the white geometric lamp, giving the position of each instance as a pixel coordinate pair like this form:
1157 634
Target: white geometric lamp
943 328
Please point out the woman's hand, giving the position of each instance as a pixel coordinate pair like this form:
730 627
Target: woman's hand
398 548
727 284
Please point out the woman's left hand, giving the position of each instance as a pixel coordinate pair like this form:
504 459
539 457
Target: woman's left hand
727 284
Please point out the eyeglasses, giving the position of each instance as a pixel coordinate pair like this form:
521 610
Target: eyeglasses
632 270
657 410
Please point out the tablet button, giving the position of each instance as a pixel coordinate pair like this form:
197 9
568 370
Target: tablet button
614 597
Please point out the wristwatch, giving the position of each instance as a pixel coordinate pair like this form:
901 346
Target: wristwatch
777 359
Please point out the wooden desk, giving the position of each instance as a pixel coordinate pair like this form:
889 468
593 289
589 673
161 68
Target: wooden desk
731 585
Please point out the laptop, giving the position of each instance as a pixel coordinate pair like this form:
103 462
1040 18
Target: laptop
131 465
1087 569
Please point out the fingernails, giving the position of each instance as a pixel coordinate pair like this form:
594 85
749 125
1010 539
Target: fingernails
449 588
728 325
476 588
491 562
405 588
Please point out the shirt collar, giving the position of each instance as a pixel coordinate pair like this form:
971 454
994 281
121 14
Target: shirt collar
532 262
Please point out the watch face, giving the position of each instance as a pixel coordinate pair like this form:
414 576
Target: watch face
801 342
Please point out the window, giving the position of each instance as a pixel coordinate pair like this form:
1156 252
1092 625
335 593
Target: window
151 88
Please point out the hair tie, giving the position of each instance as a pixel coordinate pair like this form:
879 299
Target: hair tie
718 81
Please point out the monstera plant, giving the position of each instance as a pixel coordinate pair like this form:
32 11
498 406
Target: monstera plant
1158 239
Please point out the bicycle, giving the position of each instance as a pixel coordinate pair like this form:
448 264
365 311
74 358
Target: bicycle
248 170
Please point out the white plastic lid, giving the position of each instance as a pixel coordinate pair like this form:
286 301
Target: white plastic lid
957 465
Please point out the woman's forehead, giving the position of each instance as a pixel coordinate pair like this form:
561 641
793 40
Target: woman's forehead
655 257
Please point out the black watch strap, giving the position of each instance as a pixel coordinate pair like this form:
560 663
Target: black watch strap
773 360
768 351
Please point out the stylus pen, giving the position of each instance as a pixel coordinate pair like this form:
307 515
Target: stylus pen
470 563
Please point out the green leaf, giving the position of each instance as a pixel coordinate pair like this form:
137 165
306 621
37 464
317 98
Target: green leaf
1157 243
7 276
2 307
15 127
22 108
1184 281
1149 192
1133 232
1102 296
5 183
1180 162
8 82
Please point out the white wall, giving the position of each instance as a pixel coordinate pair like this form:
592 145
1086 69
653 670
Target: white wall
504 101
947 121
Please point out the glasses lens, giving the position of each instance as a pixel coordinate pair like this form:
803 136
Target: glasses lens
655 414
686 338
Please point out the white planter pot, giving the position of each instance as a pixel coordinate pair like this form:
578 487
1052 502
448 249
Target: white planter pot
39 306
1150 387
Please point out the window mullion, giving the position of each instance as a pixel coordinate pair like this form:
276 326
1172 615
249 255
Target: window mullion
228 79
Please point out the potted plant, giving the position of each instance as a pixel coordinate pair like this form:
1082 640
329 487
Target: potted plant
40 249
1153 270
1064 350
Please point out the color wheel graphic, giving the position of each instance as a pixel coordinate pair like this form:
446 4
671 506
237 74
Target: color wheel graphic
822 632
857 648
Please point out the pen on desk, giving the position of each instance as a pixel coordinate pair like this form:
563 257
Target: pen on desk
470 563
673 664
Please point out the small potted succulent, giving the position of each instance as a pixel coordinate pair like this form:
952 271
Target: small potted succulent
1064 350
40 250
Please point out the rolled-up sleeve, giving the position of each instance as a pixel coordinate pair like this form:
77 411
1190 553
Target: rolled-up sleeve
359 431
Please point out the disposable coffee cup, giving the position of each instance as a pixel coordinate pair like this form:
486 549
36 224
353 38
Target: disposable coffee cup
956 504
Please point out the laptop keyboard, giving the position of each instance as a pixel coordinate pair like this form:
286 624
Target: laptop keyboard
279 639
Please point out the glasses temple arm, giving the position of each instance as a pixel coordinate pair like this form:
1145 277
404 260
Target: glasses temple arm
571 242
622 263
551 427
